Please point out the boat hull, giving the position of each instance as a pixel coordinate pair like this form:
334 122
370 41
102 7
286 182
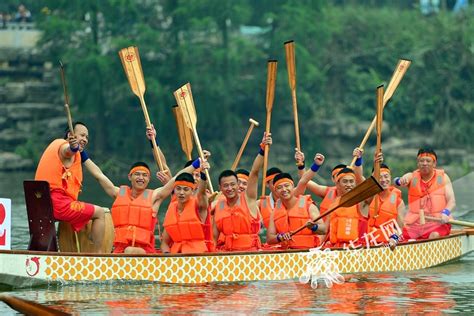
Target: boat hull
27 268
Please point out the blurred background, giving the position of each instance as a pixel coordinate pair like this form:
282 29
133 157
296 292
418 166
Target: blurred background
344 50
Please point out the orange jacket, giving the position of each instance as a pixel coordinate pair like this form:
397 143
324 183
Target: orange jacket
134 218
266 209
188 233
51 169
329 197
431 199
292 219
344 224
240 229
387 210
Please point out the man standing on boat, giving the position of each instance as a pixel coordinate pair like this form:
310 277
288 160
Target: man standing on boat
293 210
430 194
61 166
267 203
391 208
243 179
187 225
236 214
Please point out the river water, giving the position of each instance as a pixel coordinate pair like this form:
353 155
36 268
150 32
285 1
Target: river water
445 289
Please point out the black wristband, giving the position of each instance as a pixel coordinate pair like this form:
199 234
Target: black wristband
203 176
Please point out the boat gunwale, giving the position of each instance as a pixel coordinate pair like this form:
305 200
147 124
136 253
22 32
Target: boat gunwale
456 233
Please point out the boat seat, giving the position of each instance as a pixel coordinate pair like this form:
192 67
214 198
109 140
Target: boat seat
40 216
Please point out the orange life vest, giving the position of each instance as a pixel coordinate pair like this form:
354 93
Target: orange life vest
240 229
344 224
329 197
387 210
134 218
188 233
431 199
51 169
266 209
292 219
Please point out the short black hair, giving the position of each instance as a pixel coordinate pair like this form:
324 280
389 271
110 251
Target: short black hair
188 163
427 150
227 173
273 170
282 175
185 177
66 130
339 166
139 164
382 165
242 171
345 170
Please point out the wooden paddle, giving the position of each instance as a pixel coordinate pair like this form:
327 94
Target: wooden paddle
363 191
378 147
290 64
397 76
184 98
69 123
133 69
28 307
253 123
451 221
185 134
271 80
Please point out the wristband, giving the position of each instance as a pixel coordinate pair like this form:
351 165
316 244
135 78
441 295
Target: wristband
446 212
278 237
84 156
151 143
397 181
301 167
395 237
74 150
203 176
261 151
196 163
314 228
315 167
358 162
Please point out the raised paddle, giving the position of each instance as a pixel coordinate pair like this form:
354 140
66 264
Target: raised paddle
378 147
271 80
253 123
28 307
290 64
397 76
69 123
133 69
363 191
451 221
185 134
184 98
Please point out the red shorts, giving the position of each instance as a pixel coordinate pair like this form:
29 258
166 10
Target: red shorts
65 209
424 231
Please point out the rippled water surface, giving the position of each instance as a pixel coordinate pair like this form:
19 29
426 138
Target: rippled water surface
445 289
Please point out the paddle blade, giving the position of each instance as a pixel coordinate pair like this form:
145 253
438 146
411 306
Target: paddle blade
271 80
290 63
185 134
363 191
397 76
184 98
133 69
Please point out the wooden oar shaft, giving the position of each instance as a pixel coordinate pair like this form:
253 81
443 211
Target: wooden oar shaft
266 152
242 147
66 98
295 116
378 147
400 70
156 153
451 221
201 154
28 307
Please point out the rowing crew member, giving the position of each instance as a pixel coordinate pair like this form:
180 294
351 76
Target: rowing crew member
430 193
293 210
236 214
266 203
61 165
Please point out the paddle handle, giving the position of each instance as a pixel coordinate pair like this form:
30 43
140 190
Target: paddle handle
242 147
156 153
69 118
378 147
201 154
451 221
266 152
295 116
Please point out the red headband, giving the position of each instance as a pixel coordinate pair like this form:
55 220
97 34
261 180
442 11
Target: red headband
283 180
184 184
342 175
139 168
428 155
